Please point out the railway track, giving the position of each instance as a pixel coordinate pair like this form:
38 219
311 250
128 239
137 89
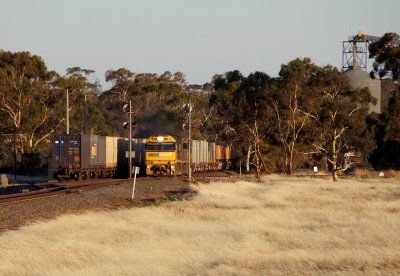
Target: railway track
60 188
46 192
56 189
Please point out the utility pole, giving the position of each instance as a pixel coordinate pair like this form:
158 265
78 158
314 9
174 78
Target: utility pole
15 153
67 113
130 139
190 138
85 118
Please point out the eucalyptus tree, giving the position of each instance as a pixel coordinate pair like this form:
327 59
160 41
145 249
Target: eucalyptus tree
340 122
294 103
242 103
122 80
28 100
386 52
253 111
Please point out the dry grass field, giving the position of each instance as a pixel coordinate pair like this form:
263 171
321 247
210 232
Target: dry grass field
279 226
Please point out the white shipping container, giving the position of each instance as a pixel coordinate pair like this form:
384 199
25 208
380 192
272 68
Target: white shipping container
207 153
111 151
199 152
192 151
204 151
195 151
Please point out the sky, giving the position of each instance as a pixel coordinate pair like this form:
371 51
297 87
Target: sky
199 38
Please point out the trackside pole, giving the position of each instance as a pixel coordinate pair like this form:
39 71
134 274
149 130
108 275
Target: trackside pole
136 170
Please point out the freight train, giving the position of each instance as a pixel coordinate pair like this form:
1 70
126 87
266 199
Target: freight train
83 156
166 155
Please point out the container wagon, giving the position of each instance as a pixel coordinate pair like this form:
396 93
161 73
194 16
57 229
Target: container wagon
82 156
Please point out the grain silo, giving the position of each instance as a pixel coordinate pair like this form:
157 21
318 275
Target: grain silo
354 66
360 79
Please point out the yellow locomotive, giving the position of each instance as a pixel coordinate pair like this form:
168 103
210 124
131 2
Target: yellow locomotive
161 155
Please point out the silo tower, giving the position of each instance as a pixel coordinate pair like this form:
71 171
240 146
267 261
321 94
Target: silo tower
354 66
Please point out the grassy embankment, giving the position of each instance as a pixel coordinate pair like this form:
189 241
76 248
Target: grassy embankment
282 225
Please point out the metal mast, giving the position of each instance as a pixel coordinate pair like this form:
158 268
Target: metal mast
130 138
190 138
67 115
355 51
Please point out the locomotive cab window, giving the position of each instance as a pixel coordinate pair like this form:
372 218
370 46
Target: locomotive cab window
160 146
167 146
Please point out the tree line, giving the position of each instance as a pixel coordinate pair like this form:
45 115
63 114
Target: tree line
305 116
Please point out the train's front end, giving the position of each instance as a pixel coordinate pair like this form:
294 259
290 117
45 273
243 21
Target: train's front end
160 155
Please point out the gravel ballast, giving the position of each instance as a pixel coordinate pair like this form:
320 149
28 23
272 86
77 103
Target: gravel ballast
16 214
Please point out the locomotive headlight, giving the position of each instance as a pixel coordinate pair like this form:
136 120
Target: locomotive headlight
160 139
172 166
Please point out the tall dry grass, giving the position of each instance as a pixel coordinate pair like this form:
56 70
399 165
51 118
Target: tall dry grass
280 226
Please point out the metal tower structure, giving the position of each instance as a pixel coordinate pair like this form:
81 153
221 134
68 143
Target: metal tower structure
355 51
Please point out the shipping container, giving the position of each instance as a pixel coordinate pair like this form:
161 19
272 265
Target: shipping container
66 151
85 151
138 145
194 151
122 149
111 151
219 154
211 152
227 153
182 151
94 147
138 155
58 157
203 152
101 152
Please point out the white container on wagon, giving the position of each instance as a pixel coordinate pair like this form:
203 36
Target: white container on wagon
111 151
194 152
204 151
211 152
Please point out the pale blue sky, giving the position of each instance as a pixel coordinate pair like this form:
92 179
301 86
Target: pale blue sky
199 38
